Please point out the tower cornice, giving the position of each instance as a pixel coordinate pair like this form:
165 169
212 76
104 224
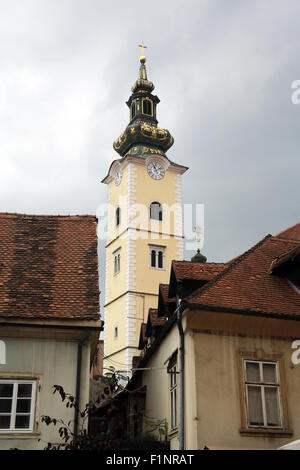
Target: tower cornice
123 162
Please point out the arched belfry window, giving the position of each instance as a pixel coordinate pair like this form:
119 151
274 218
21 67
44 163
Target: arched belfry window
147 107
156 211
133 110
118 216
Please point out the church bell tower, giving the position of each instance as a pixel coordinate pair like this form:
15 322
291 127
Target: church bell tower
144 232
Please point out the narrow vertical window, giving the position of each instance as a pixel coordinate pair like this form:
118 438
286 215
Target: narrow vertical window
2 352
133 110
153 258
117 261
118 216
173 392
147 107
160 259
173 396
116 332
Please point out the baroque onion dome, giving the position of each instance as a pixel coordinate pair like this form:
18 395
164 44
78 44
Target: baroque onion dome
142 137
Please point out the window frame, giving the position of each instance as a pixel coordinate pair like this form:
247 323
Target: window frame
246 428
117 261
133 109
173 393
262 385
159 211
159 255
148 101
15 381
173 398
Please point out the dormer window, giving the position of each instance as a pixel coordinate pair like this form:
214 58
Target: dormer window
147 107
156 211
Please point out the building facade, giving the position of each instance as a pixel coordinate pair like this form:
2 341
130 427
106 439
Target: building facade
49 323
223 366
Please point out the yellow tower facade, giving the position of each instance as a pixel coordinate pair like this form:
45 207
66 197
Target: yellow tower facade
144 232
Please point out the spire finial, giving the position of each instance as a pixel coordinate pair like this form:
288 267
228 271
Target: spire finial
198 236
198 257
143 58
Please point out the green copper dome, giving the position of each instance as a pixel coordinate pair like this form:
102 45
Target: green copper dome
142 136
198 258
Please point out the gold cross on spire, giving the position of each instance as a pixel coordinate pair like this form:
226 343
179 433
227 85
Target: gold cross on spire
143 58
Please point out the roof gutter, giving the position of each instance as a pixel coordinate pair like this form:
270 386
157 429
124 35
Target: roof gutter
181 378
179 312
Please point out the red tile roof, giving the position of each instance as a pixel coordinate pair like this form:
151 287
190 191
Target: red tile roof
164 290
291 233
247 285
197 271
155 320
48 267
284 258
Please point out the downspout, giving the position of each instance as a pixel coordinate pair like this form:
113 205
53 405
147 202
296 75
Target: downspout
78 379
181 367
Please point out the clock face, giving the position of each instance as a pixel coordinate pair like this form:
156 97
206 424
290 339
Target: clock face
118 176
156 170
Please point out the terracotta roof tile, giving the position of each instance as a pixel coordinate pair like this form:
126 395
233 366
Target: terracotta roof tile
48 267
292 233
284 258
197 271
164 289
247 285
155 320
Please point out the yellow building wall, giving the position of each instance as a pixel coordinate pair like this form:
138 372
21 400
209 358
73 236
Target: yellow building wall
136 285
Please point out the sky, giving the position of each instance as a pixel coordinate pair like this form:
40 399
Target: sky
223 71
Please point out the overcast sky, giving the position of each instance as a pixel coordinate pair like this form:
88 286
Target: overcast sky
223 70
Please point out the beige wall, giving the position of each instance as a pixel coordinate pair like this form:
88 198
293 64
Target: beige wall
55 362
156 380
213 415
218 392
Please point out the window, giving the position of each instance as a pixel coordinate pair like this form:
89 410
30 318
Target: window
118 216
157 255
147 107
156 211
133 110
262 393
173 397
17 405
116 332
264 410
2 352
117 261
173 402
